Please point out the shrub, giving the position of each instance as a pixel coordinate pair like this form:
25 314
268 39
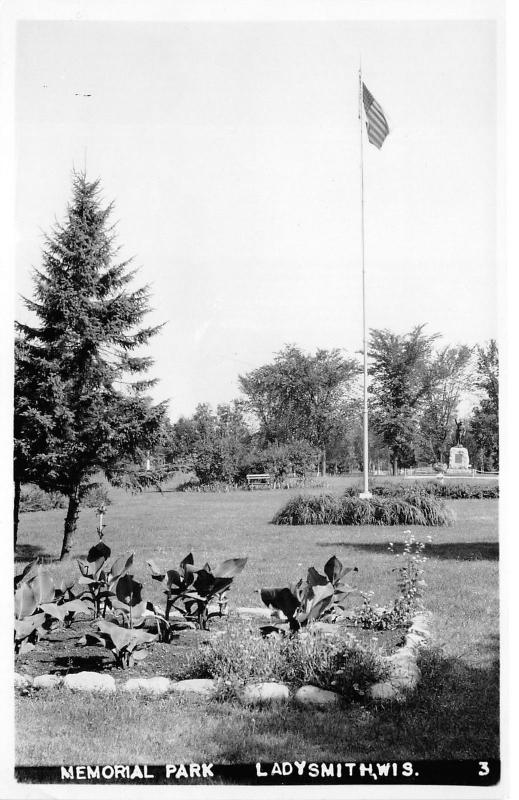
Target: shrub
96 496
319 596
190 590
443 489
411 585
335 663
32 498
409 508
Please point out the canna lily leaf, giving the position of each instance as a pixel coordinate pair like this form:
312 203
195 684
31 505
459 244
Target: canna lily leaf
230 568
156 573
25 602
27 573
120 566
314 578
128 591
97 552
282 599
43 587
24 627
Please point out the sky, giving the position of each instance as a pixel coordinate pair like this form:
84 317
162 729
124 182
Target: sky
232 153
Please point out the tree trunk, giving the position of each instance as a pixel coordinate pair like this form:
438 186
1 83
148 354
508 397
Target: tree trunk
323 463
70 524
395 465
16 509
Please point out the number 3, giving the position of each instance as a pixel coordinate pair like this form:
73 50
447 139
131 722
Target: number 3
483 768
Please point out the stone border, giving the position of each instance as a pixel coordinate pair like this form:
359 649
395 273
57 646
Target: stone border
404 677
405 673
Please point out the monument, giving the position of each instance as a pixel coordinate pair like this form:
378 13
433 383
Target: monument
459 462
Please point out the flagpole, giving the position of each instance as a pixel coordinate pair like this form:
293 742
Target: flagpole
365 493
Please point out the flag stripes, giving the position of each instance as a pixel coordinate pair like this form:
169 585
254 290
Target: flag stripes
376 123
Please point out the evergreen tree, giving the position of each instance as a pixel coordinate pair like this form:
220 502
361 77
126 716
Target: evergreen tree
83 348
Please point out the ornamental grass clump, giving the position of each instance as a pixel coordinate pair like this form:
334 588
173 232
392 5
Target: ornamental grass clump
335 663
407 508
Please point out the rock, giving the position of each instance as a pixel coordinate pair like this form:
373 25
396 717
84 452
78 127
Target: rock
22 681
47 681
89 682
406 675
413 641
383 691
203 686
262 613
156 686
313 696
270 692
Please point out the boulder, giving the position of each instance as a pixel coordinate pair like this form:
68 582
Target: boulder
313 696
383 691
47 681
405 675
152 686
89 682
202 686
22 681
261 613
269 692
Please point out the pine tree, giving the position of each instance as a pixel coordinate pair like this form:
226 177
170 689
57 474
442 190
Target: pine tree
93 412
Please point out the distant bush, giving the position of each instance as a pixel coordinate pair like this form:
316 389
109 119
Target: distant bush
96 496
335 663
448 489
410 508
32 498
194 485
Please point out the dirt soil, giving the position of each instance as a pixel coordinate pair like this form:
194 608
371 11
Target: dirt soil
60 653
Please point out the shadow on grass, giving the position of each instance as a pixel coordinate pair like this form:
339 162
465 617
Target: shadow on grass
456 551
28 552
453 714
80 663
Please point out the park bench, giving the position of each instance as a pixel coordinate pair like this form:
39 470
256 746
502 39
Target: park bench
258 480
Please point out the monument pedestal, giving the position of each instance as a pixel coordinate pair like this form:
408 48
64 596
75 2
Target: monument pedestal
459 462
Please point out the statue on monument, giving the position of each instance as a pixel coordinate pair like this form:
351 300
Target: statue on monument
460 433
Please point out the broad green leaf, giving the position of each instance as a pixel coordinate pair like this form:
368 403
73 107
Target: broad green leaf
120 637
156 573
25 602
83 567
174 578
76 606
24 627
230 568
204 582
27 573
43 587
282 599
333 568
121 565
53 610
315 578
97 552
128 591
84 579
186 562
322 597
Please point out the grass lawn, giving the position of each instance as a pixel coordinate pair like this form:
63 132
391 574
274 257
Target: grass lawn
453 714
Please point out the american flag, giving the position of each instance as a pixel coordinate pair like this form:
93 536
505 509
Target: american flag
376 123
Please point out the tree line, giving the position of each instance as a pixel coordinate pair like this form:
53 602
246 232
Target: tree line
81 391
304 411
